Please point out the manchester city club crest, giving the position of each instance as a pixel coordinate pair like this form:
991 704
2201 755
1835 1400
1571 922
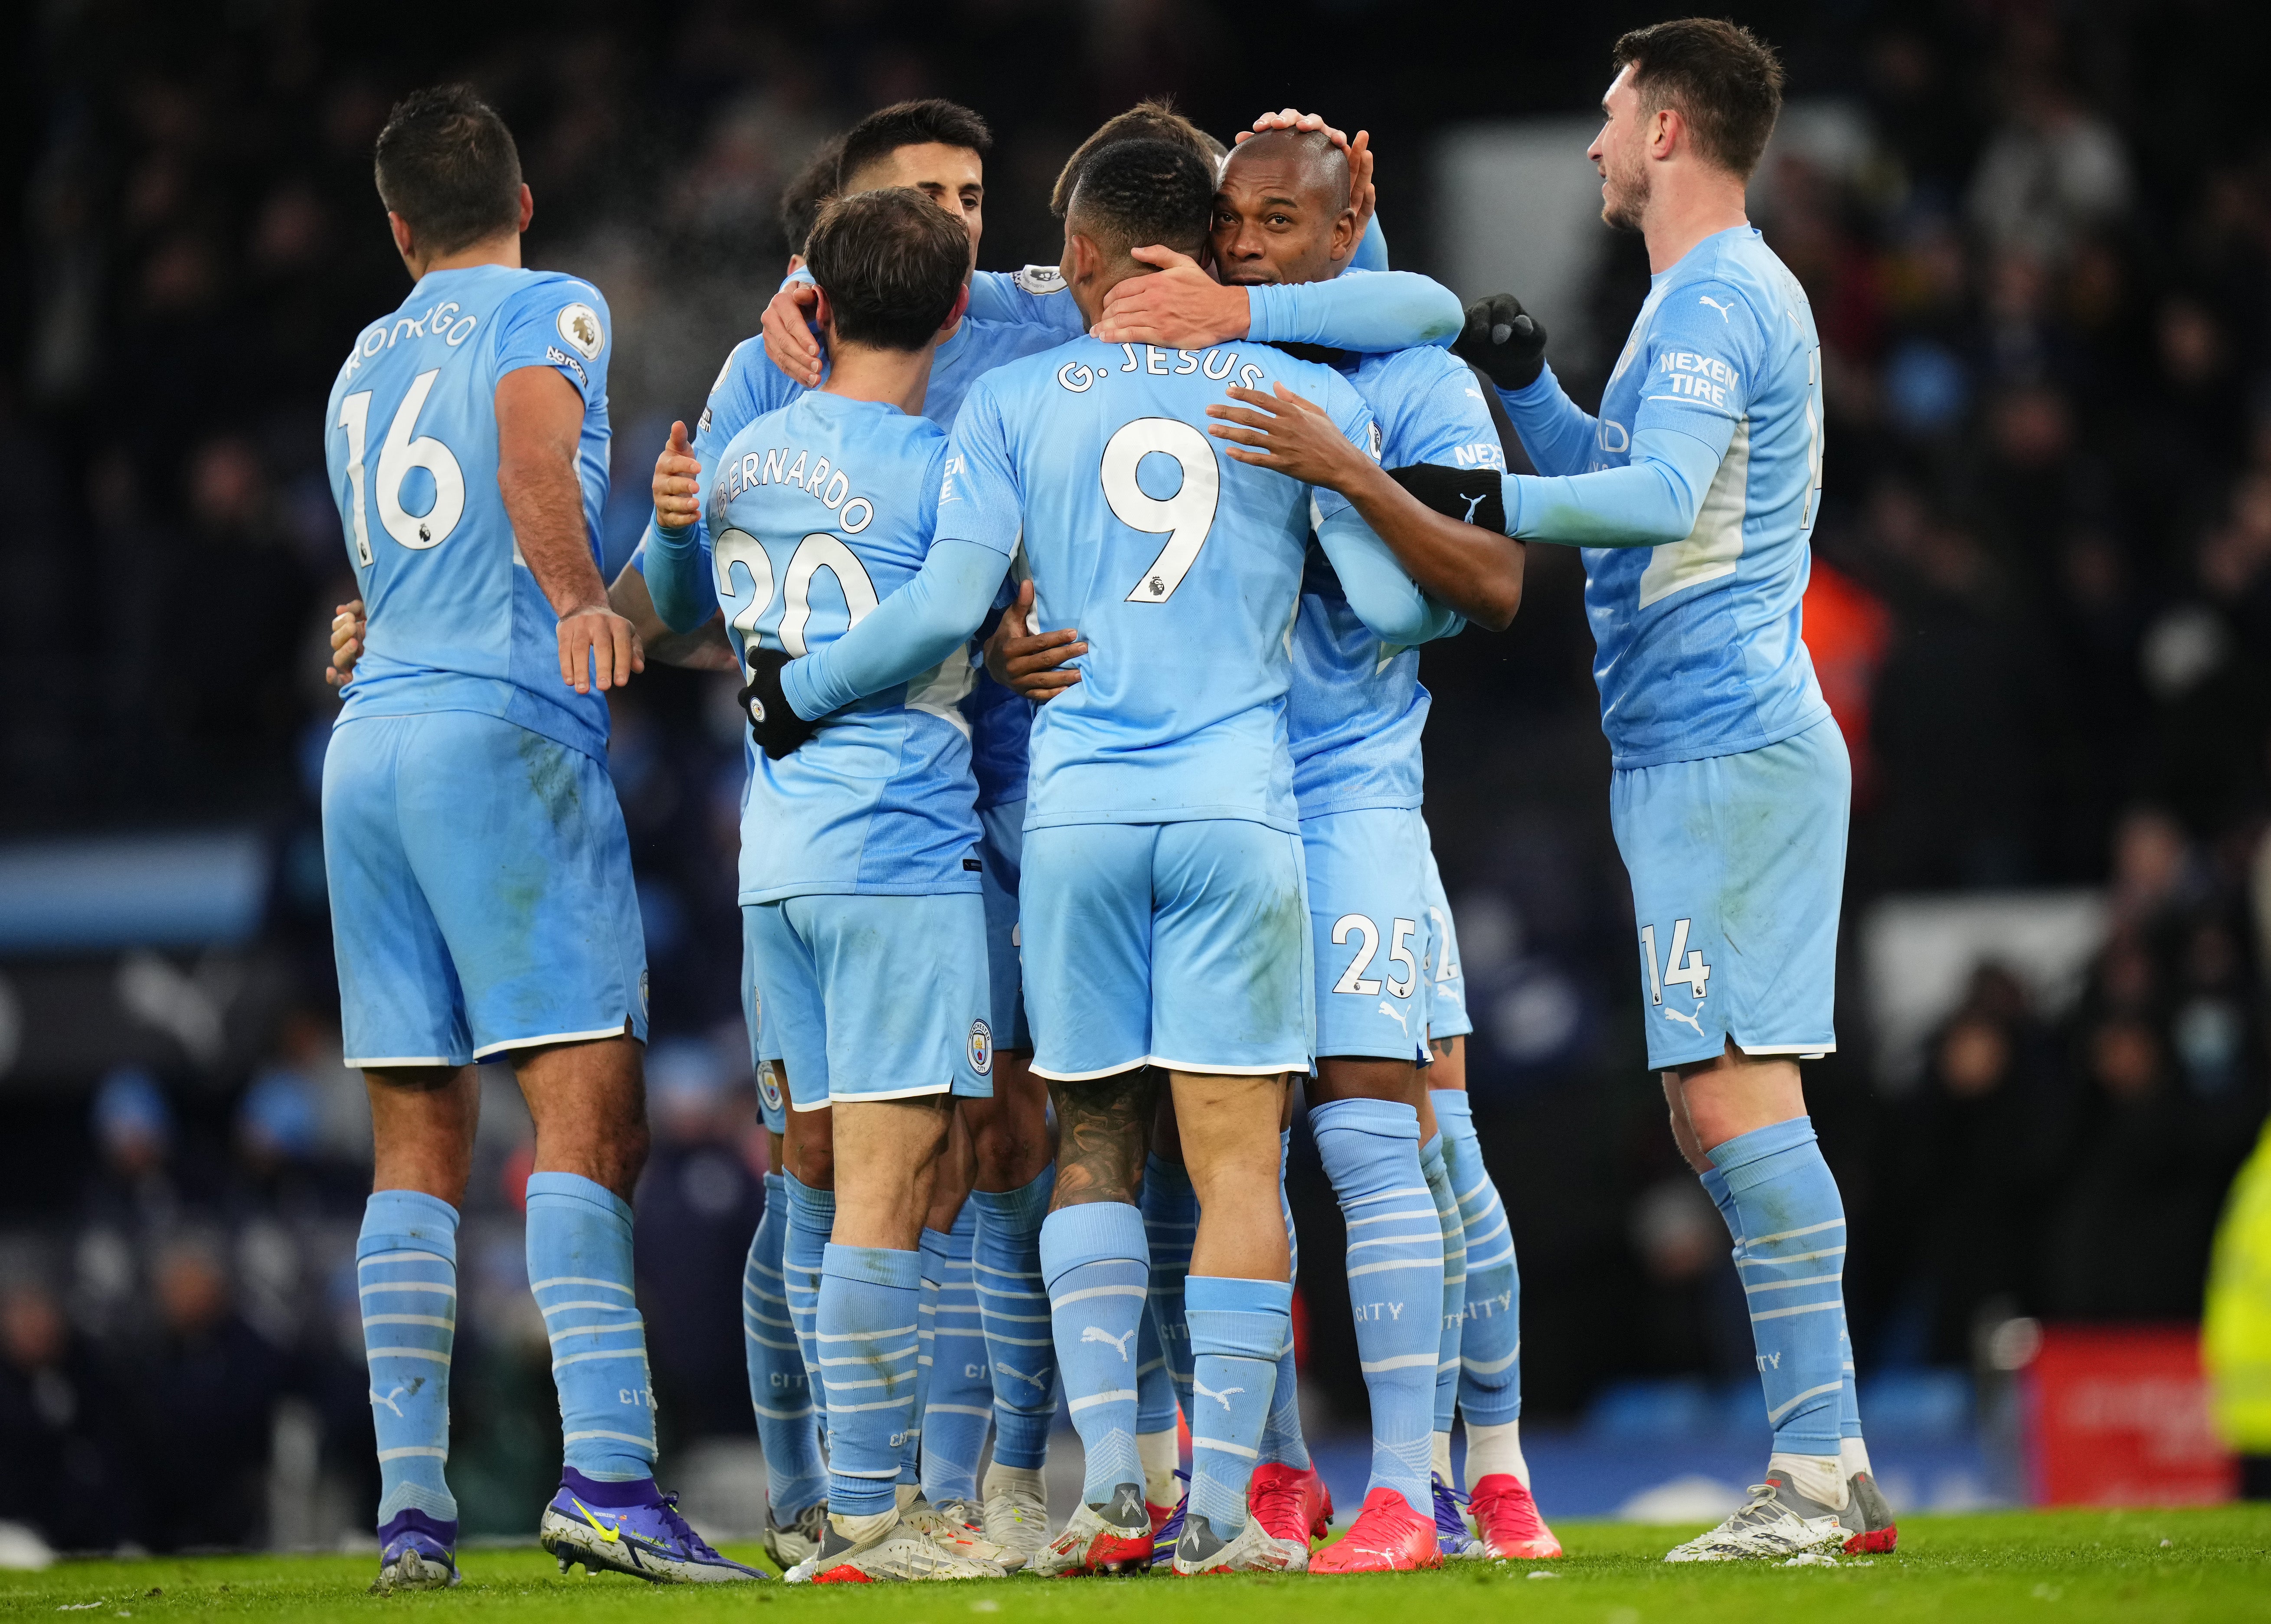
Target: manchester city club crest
981 1048
769 1086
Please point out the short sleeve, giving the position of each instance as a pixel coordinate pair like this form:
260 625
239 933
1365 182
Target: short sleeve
562 325
1704 351
978 496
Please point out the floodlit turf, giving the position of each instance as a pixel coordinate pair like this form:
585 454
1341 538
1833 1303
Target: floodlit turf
2140 1566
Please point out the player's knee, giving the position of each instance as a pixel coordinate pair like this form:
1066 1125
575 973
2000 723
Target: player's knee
813 1161
1010 1149
414 1079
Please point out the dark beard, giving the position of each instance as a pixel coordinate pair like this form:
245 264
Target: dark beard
1624 213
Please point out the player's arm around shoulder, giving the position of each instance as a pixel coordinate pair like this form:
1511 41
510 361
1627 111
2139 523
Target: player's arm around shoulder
1035 296
543 391
916 627
1412 573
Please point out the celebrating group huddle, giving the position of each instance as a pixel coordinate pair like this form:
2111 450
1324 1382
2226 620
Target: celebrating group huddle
1043 927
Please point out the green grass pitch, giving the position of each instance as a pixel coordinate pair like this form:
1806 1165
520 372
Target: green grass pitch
2139 1567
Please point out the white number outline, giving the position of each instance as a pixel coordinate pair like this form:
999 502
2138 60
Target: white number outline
1193 453
1694 974
1446 968
820 550
1400 933
399 455
354 417
1815 431
1353 979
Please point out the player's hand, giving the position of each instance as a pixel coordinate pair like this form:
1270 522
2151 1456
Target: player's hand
789 338
1180 306
1032 666
598 649
677 483
348 626
1505 340
773 721
1362 198
1290 435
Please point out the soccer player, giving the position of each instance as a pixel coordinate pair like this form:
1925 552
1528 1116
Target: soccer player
1162 910
863 923
481 880
1488 1347
1284 214
1693 494
939 148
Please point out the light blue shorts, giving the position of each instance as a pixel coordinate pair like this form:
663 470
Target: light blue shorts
1447 983
481 895
773 1108
1183 945
871 998
1367 922
1001 848
1737 863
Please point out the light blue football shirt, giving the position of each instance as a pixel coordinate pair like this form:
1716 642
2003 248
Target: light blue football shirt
750 386
458 622
1180 566
1698 636
816 512
1357 707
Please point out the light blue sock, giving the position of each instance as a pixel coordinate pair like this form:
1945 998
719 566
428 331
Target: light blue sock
1849 1401
1371 1152
811 1219
867 1339
1490 1346
407 1266
1013 1305
1455 1283
1095 1261
580 1266
780 1388
925 1348
1171 1223
1239 1328
959 1401
1715 1185
1282 1443
1155 1409
1792 1258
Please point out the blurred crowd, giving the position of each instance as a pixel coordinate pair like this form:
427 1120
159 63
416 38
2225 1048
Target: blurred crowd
2036 251
181 1348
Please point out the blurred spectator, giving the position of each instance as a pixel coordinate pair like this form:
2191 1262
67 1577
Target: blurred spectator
134 1185
1694 1317
204 1391
61 1428
1975 1156
698 1204
2053 170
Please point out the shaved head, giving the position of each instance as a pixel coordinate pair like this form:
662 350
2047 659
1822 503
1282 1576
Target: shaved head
1307 156
1281 210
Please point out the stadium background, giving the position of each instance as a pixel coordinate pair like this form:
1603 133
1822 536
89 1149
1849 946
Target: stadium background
2036 240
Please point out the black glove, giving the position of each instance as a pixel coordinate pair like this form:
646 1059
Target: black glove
776 726
1504 340
1471 496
